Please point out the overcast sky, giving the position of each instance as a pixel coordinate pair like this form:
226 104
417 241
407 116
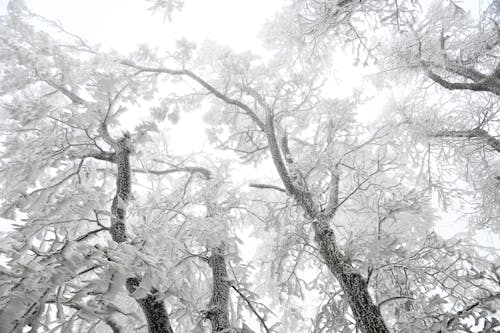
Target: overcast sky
122 24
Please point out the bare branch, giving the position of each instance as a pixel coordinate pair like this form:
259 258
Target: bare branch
267 186
90 233
395 298
252 308
483 85
355 189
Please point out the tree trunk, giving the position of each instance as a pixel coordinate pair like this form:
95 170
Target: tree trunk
218 311
353 284
154 309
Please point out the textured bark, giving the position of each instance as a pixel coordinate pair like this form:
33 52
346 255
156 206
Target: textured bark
123 189
218 311
153 307
353 284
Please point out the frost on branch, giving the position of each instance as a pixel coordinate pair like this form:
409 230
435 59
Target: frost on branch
167 7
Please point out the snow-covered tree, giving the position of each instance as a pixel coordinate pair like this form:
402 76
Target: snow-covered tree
116 233
451 56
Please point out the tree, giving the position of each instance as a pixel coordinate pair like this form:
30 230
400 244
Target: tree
457 52
332 219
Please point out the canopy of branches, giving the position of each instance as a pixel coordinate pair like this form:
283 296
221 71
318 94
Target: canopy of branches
299 216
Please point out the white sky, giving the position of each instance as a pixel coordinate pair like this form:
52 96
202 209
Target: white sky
122 24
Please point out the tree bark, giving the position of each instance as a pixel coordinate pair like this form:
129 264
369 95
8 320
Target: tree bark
218 312
154 309
354 285
486 83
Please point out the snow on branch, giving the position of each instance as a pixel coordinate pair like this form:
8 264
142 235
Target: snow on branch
205 172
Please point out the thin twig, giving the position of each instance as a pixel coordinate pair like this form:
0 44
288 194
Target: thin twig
252 309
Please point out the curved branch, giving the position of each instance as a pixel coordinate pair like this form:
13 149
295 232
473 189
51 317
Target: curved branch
251 113
103 131
113 325
393 299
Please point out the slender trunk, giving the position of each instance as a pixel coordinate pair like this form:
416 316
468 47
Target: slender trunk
354 285
154 309
218 311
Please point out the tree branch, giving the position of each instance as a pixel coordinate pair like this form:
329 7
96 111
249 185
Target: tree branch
90 233
483 85
333 198
393 299
469 308
205 172
103 131
203 83
261 320
71 95
103 156
474 133
267 186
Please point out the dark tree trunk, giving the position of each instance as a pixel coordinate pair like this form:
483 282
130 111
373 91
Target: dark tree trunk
218 311
154 309
354 285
